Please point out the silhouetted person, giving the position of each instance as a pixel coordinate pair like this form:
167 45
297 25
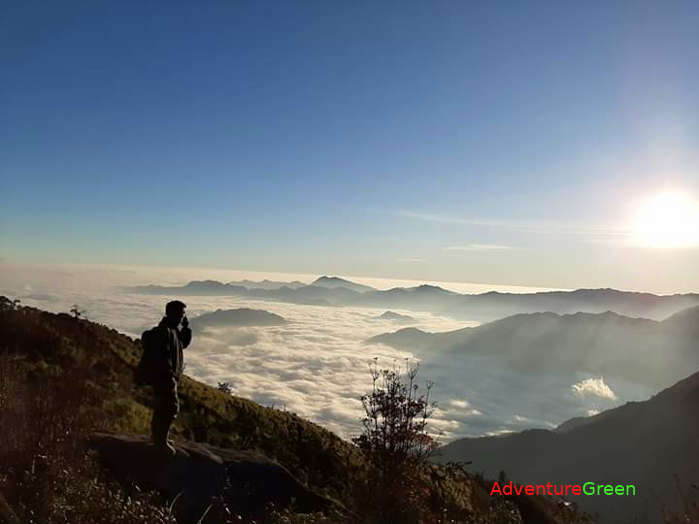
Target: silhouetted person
168 342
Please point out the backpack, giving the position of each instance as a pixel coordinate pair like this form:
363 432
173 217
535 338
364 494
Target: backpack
146 369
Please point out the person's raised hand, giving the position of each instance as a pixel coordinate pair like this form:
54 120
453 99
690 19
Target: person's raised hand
185 321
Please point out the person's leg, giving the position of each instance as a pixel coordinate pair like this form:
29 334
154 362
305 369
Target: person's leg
165 410
155 423
160 424
173 407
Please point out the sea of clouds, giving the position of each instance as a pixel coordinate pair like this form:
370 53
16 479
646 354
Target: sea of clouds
317 364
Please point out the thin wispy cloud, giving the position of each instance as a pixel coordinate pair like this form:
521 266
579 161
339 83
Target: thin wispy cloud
430 217
478 247
410 260
538 227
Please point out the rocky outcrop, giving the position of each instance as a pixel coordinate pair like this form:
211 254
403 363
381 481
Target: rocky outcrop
198 472
7 516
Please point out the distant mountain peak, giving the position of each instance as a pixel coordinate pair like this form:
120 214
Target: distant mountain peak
429 288
395 317
267 284
327 279
335 282
210 282
411 331
237 317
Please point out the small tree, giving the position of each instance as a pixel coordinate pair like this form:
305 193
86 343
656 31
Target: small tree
5 304
8 305
395 441
225 387
396 418
76 311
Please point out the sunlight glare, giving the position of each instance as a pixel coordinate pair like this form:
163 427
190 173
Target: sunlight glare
668 220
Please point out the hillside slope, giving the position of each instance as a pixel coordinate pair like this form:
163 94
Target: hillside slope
51 342
641 443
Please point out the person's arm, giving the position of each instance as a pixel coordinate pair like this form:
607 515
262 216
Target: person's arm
165 364
185 333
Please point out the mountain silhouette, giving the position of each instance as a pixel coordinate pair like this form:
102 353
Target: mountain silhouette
482 307
335 282
236 318
643 351
395 317
266 284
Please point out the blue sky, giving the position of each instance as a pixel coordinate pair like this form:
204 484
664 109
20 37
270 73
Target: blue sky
473 141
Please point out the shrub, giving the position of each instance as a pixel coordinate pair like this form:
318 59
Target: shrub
394 435
76 311
396 444
225 387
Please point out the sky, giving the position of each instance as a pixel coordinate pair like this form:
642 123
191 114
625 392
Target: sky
550 144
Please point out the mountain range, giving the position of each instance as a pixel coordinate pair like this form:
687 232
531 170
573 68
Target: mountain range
642 351
266 284
484 307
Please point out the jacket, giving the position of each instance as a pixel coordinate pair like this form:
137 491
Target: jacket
172 341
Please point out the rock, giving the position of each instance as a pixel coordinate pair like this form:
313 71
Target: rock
7 516
246 479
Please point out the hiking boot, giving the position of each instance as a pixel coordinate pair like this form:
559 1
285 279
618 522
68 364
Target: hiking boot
159 436
168 449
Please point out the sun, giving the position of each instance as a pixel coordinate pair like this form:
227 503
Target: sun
667 220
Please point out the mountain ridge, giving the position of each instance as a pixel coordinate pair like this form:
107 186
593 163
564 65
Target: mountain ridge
335 282
481 307
644 351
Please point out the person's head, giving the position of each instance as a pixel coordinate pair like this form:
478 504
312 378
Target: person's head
174 310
